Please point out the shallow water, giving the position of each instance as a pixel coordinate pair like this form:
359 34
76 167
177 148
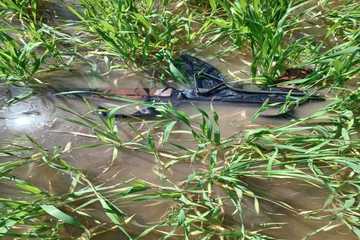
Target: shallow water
41 118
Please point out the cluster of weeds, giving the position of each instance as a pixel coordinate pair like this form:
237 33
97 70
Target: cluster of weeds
265 28
28 45
19 62
149 34
343 19
142 34
275 34
128 28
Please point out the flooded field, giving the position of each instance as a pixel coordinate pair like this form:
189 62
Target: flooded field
43 118
200 169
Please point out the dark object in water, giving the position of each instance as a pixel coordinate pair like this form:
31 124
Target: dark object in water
209 84
294 73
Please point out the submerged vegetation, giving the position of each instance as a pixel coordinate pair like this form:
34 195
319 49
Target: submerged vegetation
212 201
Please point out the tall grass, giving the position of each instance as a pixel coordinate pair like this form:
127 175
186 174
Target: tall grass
266 27
140 33
20 61
343 19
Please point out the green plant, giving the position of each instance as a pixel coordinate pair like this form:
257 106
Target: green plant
266 27
137 32
23 10
19 62
343 20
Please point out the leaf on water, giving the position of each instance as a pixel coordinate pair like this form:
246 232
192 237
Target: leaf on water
356 231
9 166
271 161
353 166
114 154
167 131
146 232
129 219
28 188
239 194
60 215
176 73
113 112
67 148
256 205
181 217
114 213
186 201
349 203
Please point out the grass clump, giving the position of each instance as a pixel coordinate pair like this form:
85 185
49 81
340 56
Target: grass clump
25 11
265 27
343 19
141 33
19 62
28 46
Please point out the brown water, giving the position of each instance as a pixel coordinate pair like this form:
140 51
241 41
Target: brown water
40 117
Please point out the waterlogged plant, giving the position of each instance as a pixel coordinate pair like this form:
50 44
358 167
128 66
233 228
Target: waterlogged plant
23 10
28 46
20 61
138 32
328 151
46 215
23 59
224 164
266 26
343 20
270 29
336 66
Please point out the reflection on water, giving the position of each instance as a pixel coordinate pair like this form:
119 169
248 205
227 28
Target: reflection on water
28 116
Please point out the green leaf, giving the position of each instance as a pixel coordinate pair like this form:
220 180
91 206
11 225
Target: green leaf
176 73
28 188
167 131
213 5
349 203
181 217
115 214
356 231
60 215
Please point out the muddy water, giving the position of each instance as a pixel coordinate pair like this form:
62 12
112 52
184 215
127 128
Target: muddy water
40 117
